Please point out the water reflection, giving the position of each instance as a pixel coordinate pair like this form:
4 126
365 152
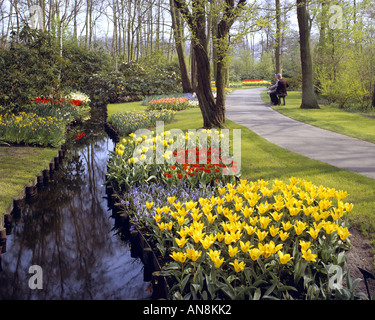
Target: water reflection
67 230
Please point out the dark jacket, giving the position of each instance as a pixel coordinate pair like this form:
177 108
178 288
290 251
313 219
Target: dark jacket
282 86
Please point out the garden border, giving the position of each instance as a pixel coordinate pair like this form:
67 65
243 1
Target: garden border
139 245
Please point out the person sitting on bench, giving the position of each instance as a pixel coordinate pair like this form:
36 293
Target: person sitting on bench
279 90
272 91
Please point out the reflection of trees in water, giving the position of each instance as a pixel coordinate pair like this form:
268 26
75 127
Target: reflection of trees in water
67 231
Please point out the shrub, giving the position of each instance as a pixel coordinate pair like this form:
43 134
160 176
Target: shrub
29 68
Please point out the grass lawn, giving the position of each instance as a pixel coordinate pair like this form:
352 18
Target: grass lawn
264 160
19 165
328 117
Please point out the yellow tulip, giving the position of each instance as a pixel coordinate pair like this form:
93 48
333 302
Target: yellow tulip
308 256
215 257
340 195
274 231
283 235
337 213
166 209
197 235
220 236
206 243
329 227
247 211
265 250
253 221
181 242
304 245
299 227
190 205
264 221
183 232
195 215
276 216
192 254
313 232
181 220
348 207
228 238
182 212
255 253
178 256
261 234
249 229
222 190
245 247
178 205
343 233
149 205
171 199
211 218
161 226
232 251
157 217
238 267
284 258
293 211
238 206
264 207
286 225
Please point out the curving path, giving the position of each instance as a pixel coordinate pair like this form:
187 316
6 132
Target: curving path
246 108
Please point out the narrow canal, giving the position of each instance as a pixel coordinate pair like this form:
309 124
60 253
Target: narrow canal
68 231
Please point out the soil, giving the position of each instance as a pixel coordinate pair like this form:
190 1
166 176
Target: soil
361 255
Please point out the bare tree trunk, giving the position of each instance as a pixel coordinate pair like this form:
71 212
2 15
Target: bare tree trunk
278 38
177 27
309 100
115 41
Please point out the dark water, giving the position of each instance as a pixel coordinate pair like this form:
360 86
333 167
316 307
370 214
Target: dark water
67 230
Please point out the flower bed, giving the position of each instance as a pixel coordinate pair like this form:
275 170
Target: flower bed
135 162
251 241
73 107
128 122
44 122
255 82
176 104
230 239
29 128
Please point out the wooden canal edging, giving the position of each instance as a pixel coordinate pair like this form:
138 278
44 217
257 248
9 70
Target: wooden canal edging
140 248
27 194
139 244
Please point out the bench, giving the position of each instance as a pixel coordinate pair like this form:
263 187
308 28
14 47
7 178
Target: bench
283 97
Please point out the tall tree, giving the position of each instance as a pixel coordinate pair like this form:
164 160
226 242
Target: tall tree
213 112
278 38
309 100
177 27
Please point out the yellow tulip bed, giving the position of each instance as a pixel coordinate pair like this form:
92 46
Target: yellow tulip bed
254 239
254 83
29 128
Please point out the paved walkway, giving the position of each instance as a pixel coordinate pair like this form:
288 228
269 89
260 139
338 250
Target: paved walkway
246 108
